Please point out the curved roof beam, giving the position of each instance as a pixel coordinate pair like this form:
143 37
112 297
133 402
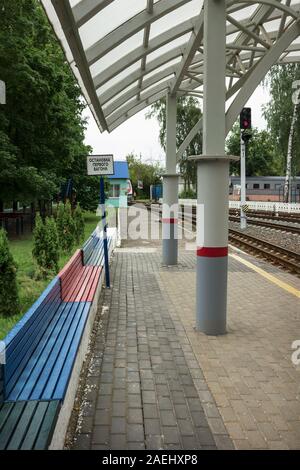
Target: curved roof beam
248 31
64 14
247 27
140 52
260 71
137 109
275 4
191 48
150 67
248 85
137 100
147 82
86 9
131 27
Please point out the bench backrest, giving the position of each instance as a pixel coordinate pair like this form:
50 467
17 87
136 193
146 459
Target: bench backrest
24 337
89 247
69 273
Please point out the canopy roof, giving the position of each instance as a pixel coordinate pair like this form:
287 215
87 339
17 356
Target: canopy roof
127 54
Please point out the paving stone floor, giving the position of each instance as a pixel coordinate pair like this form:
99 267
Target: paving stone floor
156 383
145 387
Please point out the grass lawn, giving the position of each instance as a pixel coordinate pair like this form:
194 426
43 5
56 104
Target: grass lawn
29 288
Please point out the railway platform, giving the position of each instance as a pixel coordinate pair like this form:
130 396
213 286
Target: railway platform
152 381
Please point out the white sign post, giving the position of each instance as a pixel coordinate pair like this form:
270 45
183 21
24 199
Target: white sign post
100 165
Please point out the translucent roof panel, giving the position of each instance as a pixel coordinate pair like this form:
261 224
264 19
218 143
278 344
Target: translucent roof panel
116 54
108 19
119 95
118 78
126 54
181 41
176 17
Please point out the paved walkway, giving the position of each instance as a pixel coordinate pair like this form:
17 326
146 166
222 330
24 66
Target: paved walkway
156 383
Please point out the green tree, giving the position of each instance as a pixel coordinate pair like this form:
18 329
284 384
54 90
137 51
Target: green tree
65 227
148 174
41 126
87 187
79 224
262 159
188 114
46 246
9 299
279 113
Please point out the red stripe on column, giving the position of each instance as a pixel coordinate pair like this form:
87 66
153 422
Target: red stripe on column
169 221
213 252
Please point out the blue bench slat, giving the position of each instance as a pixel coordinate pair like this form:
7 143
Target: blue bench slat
62 384
27 425
23 341
23 424
26 383
48 425
5 410
11 423
25 321
18 368
51 366
19 378
15 351
35 426
96 256
89 246
81 316
94 251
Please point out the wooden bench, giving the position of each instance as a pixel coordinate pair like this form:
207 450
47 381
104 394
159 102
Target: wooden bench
27 425
41 352
41 349
93 250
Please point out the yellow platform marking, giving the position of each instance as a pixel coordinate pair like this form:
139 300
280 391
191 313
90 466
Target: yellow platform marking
270 277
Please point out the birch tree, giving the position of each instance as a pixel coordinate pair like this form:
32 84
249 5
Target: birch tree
282 115
288 173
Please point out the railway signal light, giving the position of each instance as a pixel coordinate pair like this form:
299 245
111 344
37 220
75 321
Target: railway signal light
245 119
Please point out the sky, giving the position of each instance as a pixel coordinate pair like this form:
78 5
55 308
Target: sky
141 136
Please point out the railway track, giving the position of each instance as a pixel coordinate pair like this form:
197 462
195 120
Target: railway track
292 218
265 223
287 259
281 256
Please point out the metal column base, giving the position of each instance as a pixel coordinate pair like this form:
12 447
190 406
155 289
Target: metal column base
170 252
211 295
212 250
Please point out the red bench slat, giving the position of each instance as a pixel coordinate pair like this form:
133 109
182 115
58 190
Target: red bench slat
78 282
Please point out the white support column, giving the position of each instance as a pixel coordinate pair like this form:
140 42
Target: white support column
213 179
171 122
170 189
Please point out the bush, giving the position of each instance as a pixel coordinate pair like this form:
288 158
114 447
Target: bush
188 194
65 227
79 224
9 299
46 246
